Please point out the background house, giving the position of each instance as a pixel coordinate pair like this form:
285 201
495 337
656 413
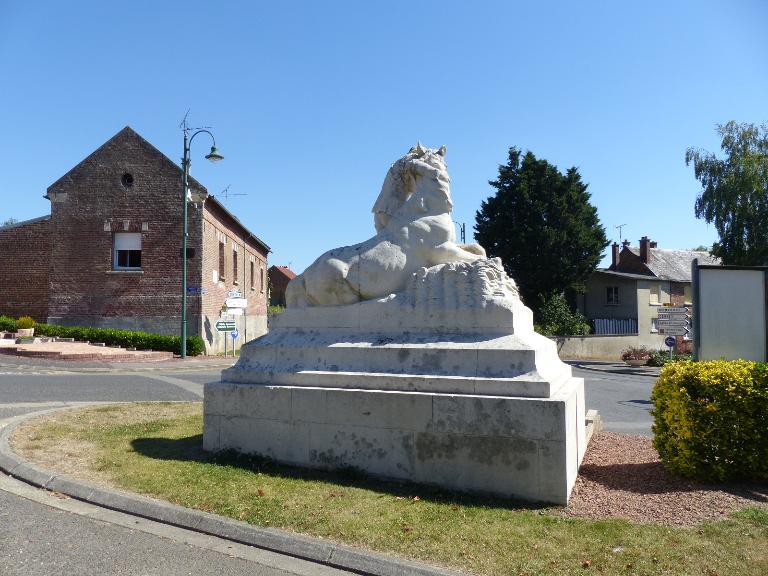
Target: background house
279 276
625 298
109 255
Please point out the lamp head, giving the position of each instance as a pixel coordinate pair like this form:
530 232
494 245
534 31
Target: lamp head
215 155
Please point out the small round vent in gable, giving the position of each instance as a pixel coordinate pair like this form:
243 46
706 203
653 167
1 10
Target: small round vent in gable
126 180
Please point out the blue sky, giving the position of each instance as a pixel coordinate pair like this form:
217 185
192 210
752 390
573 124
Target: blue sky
310 102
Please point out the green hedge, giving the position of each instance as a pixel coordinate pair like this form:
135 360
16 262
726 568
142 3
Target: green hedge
711 419
114 337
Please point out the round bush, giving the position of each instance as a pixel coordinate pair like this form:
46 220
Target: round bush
711 419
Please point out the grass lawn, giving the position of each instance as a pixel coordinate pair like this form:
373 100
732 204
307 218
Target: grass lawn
156 449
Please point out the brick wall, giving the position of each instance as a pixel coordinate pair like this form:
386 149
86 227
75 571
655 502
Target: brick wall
220 228
127 185
25 251
279 277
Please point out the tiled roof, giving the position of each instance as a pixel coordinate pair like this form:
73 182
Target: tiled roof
284 270
674 264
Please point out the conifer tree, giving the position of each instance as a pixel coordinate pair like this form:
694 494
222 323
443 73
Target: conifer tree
542 225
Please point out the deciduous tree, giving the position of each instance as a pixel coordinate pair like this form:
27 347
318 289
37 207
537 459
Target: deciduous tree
734 193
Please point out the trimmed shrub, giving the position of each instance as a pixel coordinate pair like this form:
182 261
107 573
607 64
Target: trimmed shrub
25 322
110 336
7 324
711 419
195 345
124 338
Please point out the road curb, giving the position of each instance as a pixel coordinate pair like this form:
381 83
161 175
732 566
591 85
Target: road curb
271 539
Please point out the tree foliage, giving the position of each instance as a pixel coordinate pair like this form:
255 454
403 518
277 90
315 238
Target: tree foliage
541 224
557 319
735 193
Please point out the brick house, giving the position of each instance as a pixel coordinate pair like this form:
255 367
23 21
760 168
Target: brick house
625 298
279 276
109 254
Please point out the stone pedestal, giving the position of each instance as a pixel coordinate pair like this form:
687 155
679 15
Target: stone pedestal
457 392
518 447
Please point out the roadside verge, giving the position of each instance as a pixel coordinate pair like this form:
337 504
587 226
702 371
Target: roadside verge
272 539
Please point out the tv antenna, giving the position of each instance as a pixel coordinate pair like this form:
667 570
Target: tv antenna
226 193
185 125
619 227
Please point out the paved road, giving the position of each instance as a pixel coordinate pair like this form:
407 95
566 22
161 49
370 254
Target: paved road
623 400
45 535
42 534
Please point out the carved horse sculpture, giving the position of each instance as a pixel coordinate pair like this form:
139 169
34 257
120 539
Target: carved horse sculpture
412 216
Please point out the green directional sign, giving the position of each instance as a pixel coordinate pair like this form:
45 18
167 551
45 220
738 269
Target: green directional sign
225 326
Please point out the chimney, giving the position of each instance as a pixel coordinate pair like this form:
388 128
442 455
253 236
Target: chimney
615 254
645 252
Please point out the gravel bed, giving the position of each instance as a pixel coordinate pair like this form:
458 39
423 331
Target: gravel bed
623 477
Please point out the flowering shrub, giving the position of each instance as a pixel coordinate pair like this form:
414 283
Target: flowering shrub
711 419
633 353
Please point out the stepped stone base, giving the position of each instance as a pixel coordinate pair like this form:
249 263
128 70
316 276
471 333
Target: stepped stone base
527 448
445 383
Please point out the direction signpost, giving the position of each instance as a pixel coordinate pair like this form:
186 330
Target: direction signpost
236 302
674 320
234 305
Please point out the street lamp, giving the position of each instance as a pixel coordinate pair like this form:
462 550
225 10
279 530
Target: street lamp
213 156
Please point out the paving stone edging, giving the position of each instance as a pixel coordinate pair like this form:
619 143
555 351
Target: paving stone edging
272 539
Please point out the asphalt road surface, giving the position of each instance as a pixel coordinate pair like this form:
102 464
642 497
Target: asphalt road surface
42 535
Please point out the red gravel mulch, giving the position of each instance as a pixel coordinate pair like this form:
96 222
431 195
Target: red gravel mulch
623 477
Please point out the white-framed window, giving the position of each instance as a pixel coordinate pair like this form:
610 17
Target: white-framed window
261 279
688 294
234 266
612 295
126 253
654 325
655 294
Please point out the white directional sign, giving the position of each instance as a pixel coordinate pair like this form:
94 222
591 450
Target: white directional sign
674 320
237 303
669 323
234 294
675 331
674 310
668 316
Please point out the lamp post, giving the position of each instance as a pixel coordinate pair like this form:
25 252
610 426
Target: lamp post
213 156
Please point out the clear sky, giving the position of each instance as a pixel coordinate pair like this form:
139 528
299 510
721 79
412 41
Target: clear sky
311 101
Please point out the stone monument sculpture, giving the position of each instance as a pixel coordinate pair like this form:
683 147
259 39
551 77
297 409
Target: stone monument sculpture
408 356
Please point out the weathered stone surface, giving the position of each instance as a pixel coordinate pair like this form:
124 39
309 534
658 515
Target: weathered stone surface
413 361
508 446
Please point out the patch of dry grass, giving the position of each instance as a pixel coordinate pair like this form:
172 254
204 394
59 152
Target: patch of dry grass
156 449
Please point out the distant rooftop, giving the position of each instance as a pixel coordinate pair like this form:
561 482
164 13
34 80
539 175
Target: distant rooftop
674 264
